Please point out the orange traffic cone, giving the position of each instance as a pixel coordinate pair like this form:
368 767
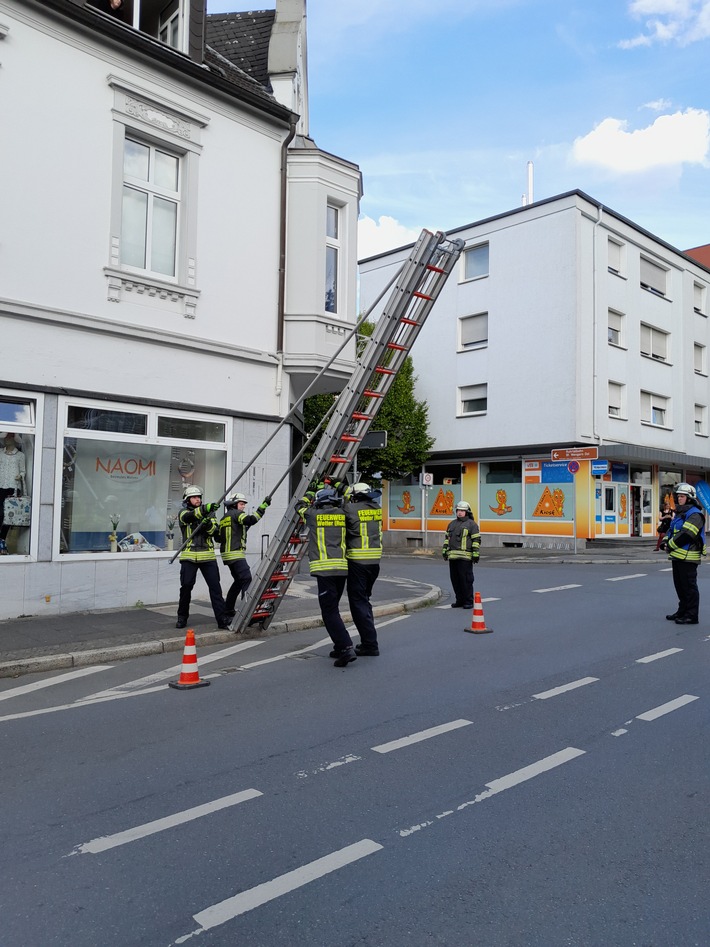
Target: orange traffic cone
478 622
189 676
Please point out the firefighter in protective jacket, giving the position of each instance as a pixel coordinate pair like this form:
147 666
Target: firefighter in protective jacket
685 541
232 538
325 520
363 537
198 525
461 547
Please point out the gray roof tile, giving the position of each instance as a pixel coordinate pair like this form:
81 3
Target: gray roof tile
243 39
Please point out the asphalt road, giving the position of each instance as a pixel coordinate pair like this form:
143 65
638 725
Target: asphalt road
546 784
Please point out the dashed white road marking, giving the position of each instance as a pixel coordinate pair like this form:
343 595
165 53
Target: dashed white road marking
667 708
350 758
559 588
573 685
623 578
619 732
506 782
60 679
658 655
106 842
422 735
253 898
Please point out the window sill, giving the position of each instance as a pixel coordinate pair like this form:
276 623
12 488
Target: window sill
702 374
473 347
654 292
617 417
618 345
126 286
474 279
613 272
698 434
657 427
473 414
657 361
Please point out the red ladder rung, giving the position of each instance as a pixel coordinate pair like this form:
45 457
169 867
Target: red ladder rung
435 269
351 438
257 616
279 577
395 345
410 322
421 295
339 460
288 559
385 371
359 416
268 596
372 394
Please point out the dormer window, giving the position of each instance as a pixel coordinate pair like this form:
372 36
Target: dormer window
165 20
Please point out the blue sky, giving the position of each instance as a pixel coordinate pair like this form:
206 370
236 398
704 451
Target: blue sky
442 104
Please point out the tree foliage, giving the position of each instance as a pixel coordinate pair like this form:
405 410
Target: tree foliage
404 417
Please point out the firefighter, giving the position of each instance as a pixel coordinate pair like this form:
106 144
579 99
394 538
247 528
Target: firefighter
232 538
363 540
461 548
685 541
325 520
199 525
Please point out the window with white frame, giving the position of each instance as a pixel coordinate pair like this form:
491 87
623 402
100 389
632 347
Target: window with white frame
163 20
154 200
473 330
654 342
699 297
615 251
473 399
332 256
616 328
699 359
124 470
654 278
19 425
617 408
701 424
476 262
150 207
654 409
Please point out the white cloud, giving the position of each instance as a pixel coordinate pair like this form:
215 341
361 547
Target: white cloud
681 138
377 236
680 21
658 105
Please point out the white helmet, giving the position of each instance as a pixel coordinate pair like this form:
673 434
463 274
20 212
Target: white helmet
685 488
235 498
463 505
192 491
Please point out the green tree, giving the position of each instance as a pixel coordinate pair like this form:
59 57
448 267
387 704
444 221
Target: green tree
404 417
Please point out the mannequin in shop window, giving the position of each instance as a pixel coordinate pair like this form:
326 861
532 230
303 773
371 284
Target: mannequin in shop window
12 480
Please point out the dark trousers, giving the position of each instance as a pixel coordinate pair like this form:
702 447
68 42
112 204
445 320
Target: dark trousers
361 578
685 580
330 590
461 574
188 576
241 574
4 527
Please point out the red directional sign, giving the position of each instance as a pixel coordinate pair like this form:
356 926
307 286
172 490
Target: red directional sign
575 453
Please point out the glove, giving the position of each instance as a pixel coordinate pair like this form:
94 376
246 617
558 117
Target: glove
211 508
476 558
445 553
266 501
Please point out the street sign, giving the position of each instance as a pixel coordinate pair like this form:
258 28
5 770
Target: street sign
599 467
573 466
426 479
575 453
374 440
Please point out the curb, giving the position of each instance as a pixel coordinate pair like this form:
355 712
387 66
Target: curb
75 659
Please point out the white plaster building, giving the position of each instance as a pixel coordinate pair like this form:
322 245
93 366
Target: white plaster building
568 327
178 260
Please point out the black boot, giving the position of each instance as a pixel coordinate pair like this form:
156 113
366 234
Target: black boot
345 658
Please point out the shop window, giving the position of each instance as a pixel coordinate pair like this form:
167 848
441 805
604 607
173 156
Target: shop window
124 472
476 261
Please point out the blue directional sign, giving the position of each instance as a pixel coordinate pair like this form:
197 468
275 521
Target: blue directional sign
599 467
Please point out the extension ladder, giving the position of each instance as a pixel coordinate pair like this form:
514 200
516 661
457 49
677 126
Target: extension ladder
417 286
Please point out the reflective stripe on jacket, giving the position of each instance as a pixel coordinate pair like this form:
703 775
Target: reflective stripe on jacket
463 538
363 524
326 538
233 529
686 534
200 547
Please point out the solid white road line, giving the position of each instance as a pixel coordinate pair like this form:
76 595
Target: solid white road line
105 842
558 588
253 898
422 735
505 782
667 708
144 682
565 687
658 655
60 679
288 654
622 578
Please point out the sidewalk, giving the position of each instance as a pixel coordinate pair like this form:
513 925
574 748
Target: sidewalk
34 644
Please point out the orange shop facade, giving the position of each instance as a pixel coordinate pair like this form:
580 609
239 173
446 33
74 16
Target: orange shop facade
537 501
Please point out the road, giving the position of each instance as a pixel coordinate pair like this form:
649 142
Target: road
546 784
